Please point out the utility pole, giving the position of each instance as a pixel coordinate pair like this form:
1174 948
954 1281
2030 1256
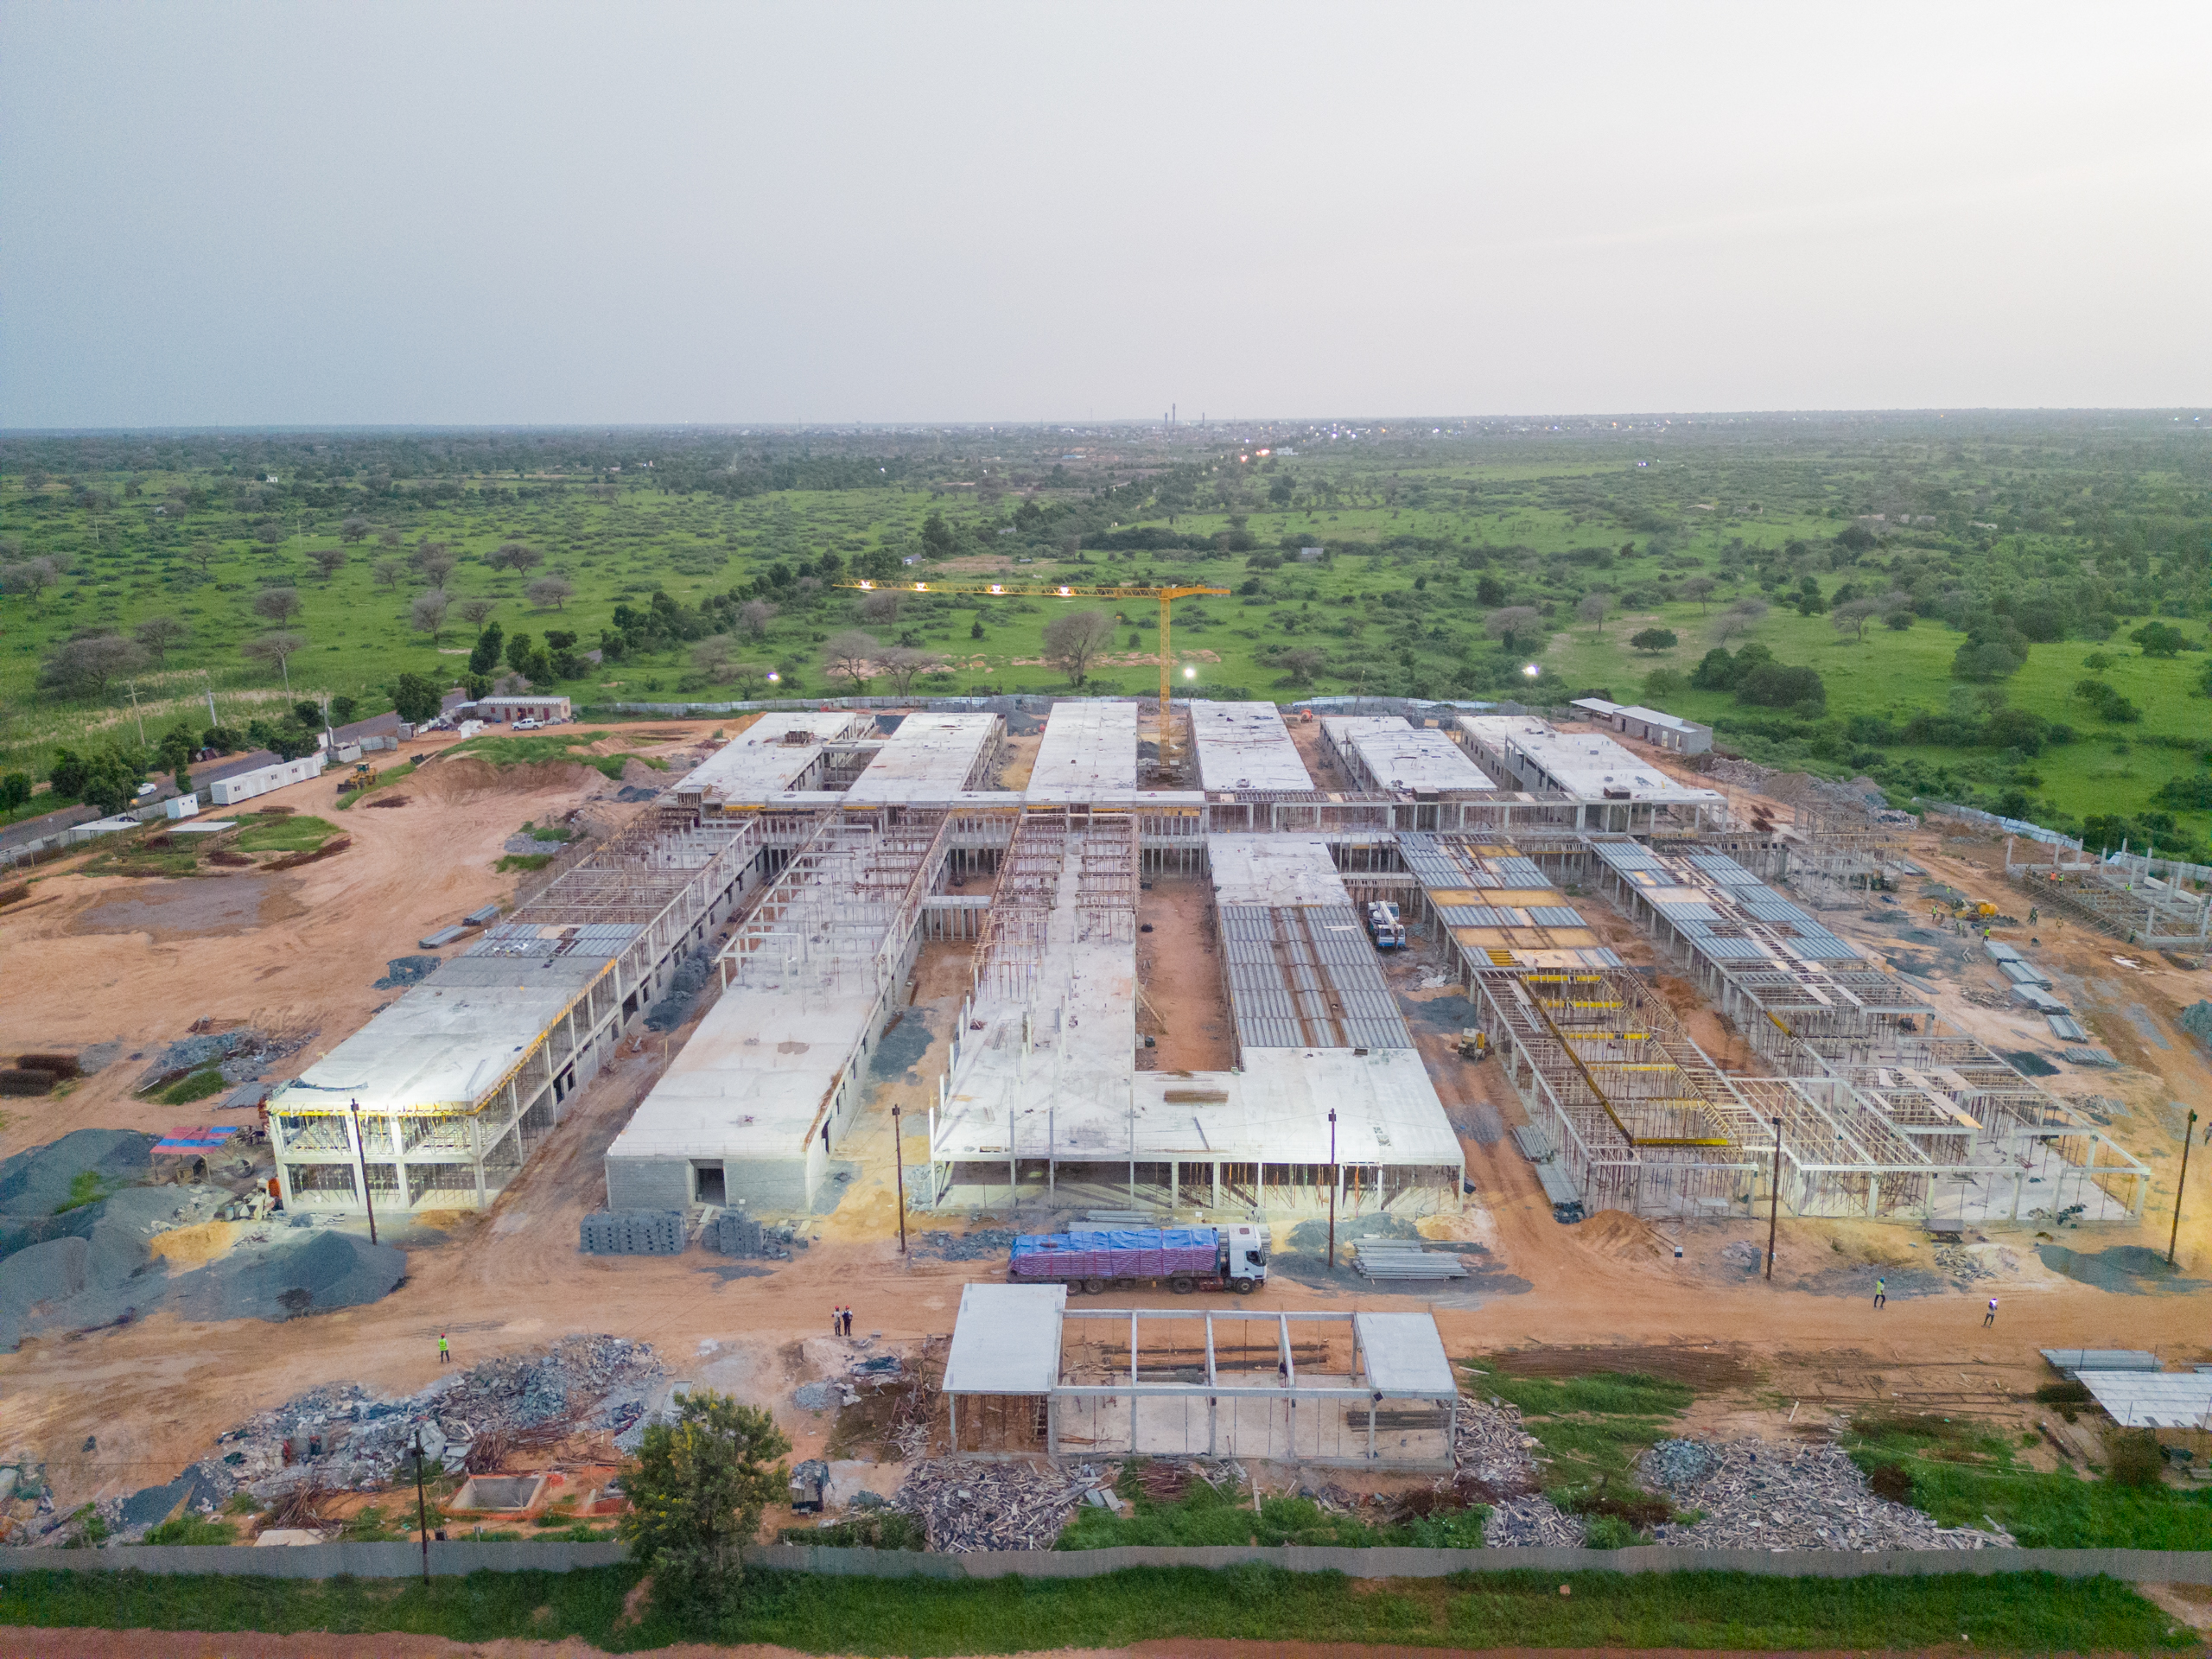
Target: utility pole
1332 1189
1774 1201
132 687
422 1510
361 1157
2181 1187
898 1150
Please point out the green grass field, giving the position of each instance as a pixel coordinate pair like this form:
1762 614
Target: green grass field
2033 1613
285 834
1426 540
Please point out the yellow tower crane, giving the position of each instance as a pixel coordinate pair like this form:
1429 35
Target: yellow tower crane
1062 590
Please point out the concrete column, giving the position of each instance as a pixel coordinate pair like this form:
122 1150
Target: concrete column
398 1164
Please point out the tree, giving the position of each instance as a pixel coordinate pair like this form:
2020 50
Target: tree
15 791
1593 608
328 561
353 529
1741 618
1853 615
279 605
756 614
2159 639
1071 641
477 612
201 557
851 654
881 607
556 591
85 667
387 573
902 663
158 633
435 561
1776 685
519 649
1510 626
429 613
390 536
31 578
696 1493
1653 639
937 541
111 778
1300 666
343 708
279 647
416 699
715 657
1701 588
484 657
515 556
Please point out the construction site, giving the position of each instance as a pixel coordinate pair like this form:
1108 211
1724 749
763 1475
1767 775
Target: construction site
1492 1028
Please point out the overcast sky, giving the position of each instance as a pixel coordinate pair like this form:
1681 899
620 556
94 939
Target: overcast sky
245 214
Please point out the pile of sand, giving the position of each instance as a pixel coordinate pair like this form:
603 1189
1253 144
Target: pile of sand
1624 1238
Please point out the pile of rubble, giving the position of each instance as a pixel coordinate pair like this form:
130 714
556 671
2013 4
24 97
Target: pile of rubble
978 1246
1757 1495
341 1436
965 1505
1494 1464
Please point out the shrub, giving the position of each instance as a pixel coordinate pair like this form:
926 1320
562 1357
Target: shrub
1655 639
1892 1481
2133 1458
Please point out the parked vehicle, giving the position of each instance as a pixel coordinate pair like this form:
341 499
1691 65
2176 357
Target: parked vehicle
1123 1258
1384 926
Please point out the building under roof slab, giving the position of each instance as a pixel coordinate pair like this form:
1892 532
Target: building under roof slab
1612 789
458 1080
930 760
1088 755
1498 907
1365 1391
776 754
1222 1142
1386 755
754 1106
1245 746
2153 1399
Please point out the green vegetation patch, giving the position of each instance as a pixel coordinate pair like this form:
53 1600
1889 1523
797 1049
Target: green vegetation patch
1592 1428
198 1086
2003 1613
543 748
524 862
1960 1470
192 1530
1204 1513
285 834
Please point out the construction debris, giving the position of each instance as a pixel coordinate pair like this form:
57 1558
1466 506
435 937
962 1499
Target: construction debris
978 1246
1533 1521
965 1505
400 972
1497 1465
1754 1495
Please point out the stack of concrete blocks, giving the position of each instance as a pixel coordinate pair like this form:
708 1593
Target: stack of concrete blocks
735 1233
633 1232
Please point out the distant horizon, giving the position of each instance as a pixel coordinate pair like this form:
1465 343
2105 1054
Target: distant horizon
2196 414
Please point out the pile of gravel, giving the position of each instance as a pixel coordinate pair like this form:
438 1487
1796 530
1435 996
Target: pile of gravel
674 1007
36 1184
96 1269
978 1246
1677 1465
400 972
312 1274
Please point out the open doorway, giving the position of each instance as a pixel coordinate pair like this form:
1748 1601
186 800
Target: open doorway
707 1184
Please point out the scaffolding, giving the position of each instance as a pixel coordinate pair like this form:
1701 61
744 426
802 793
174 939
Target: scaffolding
2122 895
1883 1069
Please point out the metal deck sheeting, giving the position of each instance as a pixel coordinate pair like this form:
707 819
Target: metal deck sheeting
2152 1399
2066 1027
1304 976
2069 1361
1404 1354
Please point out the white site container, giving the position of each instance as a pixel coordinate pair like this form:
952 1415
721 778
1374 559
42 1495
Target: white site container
181 806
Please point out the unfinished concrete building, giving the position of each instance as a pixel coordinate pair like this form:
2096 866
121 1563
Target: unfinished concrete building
456 1083
1608 787
1029 1375
2123 894
1388 755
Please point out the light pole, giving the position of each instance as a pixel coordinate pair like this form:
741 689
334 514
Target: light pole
361 1157
422 1510
1332 1189
899 1151
2180 1187
1774 1201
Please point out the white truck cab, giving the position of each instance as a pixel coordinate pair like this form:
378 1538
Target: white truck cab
1248 1253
